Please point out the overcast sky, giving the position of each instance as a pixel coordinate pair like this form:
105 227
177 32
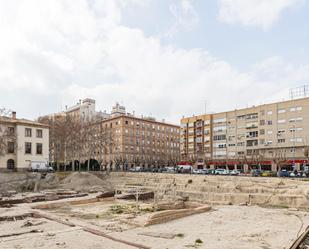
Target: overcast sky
159 57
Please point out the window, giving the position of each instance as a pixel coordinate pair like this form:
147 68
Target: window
28 132
219 137
252 125
11 147
299 108
219 120
280 132
126 122
252 143
11 130
252 134
252 116
269 132
262 132
281 121
281 111
299 119
281 141
269 112
293 120
269 122
39 149
39 133
198 140
219 128
299 140
293 109
27 148
262 122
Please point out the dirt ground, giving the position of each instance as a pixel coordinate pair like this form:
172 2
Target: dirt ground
225 227
89 222
228 227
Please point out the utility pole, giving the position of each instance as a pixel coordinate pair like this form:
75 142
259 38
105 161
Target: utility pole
294 149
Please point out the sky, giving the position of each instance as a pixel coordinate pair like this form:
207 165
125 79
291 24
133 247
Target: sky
165 58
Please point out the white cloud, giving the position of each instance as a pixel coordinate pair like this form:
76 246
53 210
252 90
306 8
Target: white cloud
259 13
59 51
185 17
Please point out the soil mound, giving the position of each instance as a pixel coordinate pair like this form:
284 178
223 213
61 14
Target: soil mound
84 181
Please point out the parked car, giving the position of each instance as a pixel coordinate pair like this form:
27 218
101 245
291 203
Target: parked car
297 174
184 169
198 171
170 170
155 170
162 170
207 171
220 172
234 172
41 167
256 172
284 173
136 169
268 174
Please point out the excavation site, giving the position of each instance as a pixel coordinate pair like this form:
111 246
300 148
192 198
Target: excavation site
114 210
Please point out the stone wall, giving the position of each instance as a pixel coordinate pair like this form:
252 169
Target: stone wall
275 192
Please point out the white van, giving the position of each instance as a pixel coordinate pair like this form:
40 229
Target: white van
184 169
41 167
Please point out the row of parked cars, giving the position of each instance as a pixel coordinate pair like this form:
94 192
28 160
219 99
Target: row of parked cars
186 169
215 172
282 173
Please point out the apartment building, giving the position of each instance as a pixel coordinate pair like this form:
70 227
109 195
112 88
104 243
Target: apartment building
269 135
22 142
141 141
85 111
122 140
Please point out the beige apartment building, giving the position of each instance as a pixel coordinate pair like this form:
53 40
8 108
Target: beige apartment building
22 142
269 136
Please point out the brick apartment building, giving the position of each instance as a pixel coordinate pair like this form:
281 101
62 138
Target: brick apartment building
132 140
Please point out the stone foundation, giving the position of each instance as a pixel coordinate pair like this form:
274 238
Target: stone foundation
275 192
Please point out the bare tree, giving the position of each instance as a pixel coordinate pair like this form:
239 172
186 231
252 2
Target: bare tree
280 158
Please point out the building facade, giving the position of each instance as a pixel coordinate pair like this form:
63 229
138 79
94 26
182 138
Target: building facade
270 136
116 140
23 141
141 142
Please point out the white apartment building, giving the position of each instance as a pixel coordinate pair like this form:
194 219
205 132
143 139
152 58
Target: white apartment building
26 141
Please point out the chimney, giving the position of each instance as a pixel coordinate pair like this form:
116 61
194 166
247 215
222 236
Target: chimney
14 115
